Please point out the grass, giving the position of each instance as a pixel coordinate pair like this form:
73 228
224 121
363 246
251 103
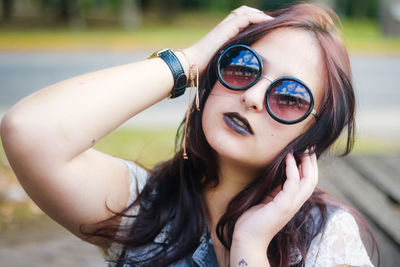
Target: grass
145 146
183 31
361 36
368 145
365 36
376 146
146 38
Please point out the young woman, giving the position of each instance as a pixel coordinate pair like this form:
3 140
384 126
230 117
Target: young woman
275 92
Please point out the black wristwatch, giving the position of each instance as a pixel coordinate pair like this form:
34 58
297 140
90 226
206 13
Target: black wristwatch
180 79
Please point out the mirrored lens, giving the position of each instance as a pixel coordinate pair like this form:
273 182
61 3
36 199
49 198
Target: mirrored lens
239 67
289 100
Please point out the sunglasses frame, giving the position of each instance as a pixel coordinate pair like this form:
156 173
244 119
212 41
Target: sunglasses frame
273 82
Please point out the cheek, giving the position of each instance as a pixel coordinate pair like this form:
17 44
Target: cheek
219 101
275 138
210 118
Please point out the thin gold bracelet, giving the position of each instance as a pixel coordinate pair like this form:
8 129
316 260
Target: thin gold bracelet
194 83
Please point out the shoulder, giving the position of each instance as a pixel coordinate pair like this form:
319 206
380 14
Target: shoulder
138 177
339 243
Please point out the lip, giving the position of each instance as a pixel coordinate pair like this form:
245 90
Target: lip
238 123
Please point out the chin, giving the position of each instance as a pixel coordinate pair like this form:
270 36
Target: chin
238 154
233 149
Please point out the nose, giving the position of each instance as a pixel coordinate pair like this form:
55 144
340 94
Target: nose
253 98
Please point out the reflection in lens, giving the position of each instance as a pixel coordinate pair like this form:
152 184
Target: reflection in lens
289 100
239 67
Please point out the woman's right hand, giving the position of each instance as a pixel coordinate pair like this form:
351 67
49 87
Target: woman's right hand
260 223
202 51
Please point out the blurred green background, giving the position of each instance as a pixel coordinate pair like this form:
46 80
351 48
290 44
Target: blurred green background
134 24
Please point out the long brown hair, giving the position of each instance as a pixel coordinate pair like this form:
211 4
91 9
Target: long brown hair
173 193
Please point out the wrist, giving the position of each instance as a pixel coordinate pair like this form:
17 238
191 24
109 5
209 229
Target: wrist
192 55
176 68
184 62
256 245
248 255
244 239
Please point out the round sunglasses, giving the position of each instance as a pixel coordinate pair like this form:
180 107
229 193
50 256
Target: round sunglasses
288 100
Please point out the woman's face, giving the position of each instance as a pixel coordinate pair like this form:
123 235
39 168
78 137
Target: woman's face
286 52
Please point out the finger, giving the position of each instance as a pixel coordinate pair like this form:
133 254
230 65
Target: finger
301 171
315 163
243 20
307 167
241 10
230 28
285 196
247 12
229 17
246 9
247 18
309 181
291 184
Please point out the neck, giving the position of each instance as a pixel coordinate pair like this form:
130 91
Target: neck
233 178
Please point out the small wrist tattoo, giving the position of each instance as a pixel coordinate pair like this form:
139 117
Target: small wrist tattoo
242 263
93 142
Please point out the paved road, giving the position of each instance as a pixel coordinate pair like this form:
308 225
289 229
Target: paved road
21 73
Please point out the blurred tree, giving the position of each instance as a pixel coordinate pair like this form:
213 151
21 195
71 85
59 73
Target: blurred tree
358 8
194 4
72 11
131 14
163 10
330 3
6 9
390 17
221 4
69 11
77 12
276 4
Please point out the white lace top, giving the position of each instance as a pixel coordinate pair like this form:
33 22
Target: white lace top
339 244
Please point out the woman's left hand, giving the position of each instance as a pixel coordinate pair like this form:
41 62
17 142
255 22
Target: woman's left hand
258 225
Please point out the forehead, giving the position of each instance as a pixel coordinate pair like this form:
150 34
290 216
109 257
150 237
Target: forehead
293 52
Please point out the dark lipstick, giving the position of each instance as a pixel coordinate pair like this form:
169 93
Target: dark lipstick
238 123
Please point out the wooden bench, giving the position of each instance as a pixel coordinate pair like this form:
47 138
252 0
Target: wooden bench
370 183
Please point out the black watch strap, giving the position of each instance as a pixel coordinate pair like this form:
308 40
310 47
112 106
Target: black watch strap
180 80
